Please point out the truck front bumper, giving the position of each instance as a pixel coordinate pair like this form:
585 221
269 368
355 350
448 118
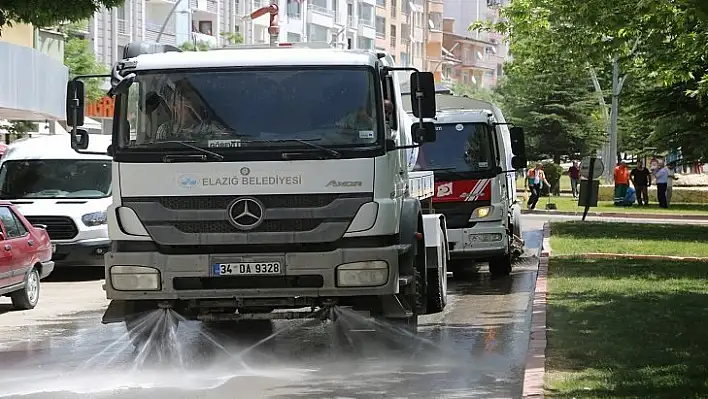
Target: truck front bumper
479 242
303 274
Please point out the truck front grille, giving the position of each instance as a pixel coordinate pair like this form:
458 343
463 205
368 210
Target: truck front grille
247 282
58 227
222 201
205 220
293 225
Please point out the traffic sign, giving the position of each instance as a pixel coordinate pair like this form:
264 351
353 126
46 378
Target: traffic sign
598 168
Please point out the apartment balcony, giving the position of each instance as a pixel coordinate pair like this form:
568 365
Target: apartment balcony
392 42
436 6
367 28
319 15
352 22
123 28
208 6
152 29
212 41
380 35
435 36
372 3
489 63
418 34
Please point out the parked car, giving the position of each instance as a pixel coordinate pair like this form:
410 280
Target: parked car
25 257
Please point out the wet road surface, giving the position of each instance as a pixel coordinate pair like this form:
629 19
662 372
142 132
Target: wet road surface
476 348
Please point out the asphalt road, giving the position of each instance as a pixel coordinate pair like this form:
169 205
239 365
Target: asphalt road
476 348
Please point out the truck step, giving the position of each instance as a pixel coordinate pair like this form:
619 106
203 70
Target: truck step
405 280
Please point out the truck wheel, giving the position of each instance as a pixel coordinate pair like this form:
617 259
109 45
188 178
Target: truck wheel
437 288
501 265
28 296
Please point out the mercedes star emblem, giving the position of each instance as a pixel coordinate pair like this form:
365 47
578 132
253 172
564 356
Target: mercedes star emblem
246 213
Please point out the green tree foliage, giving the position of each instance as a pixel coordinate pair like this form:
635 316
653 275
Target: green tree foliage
232 37
80 60
195 46
17 129
43 13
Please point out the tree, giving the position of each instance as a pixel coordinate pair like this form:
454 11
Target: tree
17 129
80 60
232 37
43 13
195 46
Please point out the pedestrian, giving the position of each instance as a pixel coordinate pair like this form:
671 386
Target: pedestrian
662 179
621 182
670 182
536 180
574 173
641 179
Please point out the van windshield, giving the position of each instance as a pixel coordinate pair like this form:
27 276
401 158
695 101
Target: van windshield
460 147
55 178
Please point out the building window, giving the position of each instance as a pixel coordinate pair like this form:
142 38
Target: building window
405 61
205 27
380 3
380 27
394 8
317 33
436 20
294 9
294 38
365 43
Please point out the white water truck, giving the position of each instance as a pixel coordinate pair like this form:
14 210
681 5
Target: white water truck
268 182
475 157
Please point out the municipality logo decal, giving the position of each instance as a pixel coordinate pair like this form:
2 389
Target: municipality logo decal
187 181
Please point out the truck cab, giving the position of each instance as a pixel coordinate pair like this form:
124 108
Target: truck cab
255 181
474 158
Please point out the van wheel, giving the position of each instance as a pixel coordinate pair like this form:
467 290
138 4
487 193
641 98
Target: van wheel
27 297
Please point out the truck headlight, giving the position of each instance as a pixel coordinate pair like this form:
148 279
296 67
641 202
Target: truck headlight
94 219
362 274
481 212
135 278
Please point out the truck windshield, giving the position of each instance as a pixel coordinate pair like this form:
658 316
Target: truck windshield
260 107
55 178
460 147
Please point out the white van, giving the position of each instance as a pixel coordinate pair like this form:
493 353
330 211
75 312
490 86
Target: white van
68 192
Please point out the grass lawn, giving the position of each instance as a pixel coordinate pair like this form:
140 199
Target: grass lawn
570 204
568 238
626 329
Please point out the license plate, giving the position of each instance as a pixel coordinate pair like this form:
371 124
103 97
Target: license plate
247 269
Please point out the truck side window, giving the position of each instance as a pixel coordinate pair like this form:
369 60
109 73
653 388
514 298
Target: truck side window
388 95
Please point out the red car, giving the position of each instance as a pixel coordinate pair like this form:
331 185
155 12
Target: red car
25 257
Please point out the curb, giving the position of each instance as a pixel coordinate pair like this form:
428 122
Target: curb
535 370
618 215
600 255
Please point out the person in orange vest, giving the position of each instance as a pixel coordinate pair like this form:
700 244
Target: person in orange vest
621 182
536 178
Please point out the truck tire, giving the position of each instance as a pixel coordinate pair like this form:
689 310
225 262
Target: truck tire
500 265
437 288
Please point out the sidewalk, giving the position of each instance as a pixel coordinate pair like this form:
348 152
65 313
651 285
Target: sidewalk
626 215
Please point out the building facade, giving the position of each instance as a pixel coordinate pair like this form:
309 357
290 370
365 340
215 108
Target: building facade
32 74
349 23
473 58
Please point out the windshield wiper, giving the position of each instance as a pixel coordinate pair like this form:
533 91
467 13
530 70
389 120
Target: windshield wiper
212 154
330 151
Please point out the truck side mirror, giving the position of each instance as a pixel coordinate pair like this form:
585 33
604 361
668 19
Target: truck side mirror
518 162
79 139
75 99
425 133
423 94
518 145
